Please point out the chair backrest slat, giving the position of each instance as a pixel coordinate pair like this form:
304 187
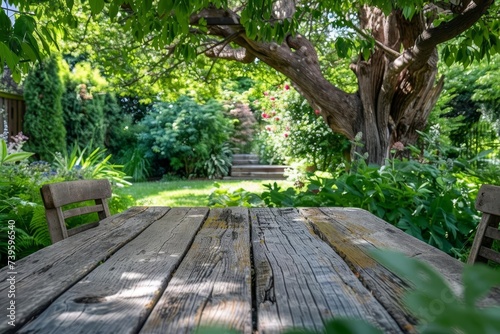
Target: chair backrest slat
64 193
57 195
488 202
489 254
488 199
493 233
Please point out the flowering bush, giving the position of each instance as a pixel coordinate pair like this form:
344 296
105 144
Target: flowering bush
292 132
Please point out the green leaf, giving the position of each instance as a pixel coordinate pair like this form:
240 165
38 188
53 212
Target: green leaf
351 326
96 6
113 10
69 4
28 51
473 291
9 57
18 156
165 6
5 25
147 5
427 284
3 150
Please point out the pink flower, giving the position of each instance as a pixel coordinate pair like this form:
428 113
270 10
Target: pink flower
273 98
286 135
287 87
268 128
287 128
398 146
317 112
266 93
264 115
276 118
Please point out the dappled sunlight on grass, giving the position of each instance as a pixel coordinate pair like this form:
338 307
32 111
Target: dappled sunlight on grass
187 193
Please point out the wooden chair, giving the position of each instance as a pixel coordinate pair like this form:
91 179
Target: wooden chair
488 202
57 195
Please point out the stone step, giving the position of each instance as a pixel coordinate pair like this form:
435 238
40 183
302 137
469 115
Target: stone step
246 156
258 168
246 167
255 176
245 161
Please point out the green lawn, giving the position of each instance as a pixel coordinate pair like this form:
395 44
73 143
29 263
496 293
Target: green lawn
186 193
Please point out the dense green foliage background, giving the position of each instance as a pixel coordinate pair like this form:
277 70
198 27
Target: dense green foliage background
43 122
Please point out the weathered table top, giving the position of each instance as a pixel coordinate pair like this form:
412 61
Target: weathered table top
259 270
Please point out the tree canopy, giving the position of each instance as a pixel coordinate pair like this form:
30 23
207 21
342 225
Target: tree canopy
392 46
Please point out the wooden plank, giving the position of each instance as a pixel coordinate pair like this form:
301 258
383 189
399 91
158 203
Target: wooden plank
488 199
353 233
83 210
349 240
59 194
44 275
82 228
493 233
301 281
117 296
212 286
489 254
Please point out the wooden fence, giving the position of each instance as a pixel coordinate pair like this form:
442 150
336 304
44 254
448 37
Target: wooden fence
12 110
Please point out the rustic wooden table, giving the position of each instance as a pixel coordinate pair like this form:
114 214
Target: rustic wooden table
259 270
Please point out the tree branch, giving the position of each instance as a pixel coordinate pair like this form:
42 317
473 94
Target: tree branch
388 51
426 43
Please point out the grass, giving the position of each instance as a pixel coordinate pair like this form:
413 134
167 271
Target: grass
187 192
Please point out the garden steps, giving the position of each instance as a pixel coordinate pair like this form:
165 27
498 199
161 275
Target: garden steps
247 167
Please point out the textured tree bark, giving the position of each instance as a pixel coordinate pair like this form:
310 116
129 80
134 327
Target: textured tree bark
397 84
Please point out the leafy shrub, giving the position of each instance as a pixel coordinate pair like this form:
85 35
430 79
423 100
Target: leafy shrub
244 127
292 132
425 200
222 197
43 122
84 105
136 165
219 162
185 133
430 197
95 165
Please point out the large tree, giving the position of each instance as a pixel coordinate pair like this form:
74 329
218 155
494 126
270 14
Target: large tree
397 77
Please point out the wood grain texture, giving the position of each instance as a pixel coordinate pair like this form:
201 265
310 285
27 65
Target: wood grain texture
117 296
59 194
487 231
56 195
212 286
349 240
46 274
301 281
488 199
353 233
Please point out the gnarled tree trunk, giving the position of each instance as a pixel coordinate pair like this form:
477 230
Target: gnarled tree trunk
397 83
